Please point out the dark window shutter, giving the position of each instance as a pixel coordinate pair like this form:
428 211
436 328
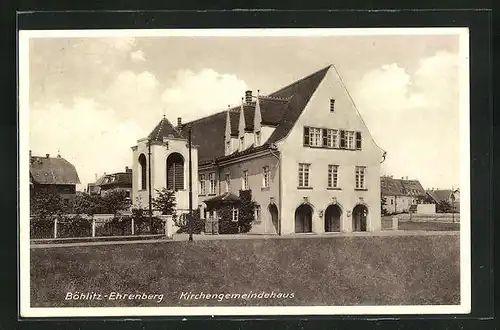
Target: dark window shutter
358 140
179 176
170 176
342 139
325 139
306 136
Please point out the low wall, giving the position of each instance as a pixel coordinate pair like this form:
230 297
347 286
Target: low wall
438 217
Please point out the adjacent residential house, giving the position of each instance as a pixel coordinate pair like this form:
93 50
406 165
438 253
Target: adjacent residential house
401 194
452 196
303 151
53 173
120 181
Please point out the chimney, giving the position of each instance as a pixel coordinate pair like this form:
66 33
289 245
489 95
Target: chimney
179 122
30 154
126 168
406 178
248 97
47 155
402 178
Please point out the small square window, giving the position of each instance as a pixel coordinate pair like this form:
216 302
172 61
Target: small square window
332 105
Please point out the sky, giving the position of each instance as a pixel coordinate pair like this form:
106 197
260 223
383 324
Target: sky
92 98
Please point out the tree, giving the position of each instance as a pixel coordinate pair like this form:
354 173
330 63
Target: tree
443 207
45 203
115 201
164 201
383 203
246 212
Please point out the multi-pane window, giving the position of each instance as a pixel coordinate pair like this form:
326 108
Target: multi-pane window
333 176
203 184
211 179
332 105
228 182
360 177
235 214
265 176
244 179
257 138
304 175
315 137
258 213
332 138
349 139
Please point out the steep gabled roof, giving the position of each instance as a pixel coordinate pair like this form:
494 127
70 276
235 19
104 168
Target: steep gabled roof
439 195
53 170
121 179
300 93
398 187
164 129
281 109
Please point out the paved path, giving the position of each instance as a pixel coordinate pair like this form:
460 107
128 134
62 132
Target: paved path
185 237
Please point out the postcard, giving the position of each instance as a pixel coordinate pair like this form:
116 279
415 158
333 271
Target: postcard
184 172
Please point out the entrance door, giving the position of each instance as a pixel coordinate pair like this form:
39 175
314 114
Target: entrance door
273 210
303 219
359 214
332 218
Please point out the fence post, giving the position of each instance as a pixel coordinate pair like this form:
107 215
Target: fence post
133 227
55 228
394 223
93 227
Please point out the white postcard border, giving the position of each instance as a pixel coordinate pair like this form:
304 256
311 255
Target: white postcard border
24 249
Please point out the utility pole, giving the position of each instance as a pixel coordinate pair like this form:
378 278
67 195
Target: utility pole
190 187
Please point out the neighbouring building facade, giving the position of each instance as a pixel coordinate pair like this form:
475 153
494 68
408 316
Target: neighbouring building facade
401 194
303 152
119 181
452 196
53 173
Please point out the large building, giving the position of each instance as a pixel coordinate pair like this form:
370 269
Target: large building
119 181
303 151
53 173
401 194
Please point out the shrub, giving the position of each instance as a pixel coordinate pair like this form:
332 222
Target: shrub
76 226
198 224
246 211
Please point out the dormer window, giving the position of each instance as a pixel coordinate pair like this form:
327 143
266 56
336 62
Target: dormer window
242 143
228 147
257 138
332 105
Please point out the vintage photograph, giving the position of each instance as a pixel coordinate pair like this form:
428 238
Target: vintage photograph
244 172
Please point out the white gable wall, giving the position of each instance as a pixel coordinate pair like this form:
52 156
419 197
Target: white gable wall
317 114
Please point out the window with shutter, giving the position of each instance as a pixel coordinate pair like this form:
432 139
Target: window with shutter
342 139
306 136
358 140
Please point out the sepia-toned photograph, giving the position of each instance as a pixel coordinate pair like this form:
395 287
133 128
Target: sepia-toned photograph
244 172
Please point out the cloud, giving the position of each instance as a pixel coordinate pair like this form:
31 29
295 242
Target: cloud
196 94
88 135
137 56
414 116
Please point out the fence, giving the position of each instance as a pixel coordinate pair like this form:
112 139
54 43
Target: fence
80 226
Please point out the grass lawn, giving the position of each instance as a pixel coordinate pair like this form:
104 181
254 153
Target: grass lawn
391 270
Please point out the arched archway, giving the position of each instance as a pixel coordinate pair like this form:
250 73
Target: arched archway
332 218
359 215
142 171
175 171
273 211
303 219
